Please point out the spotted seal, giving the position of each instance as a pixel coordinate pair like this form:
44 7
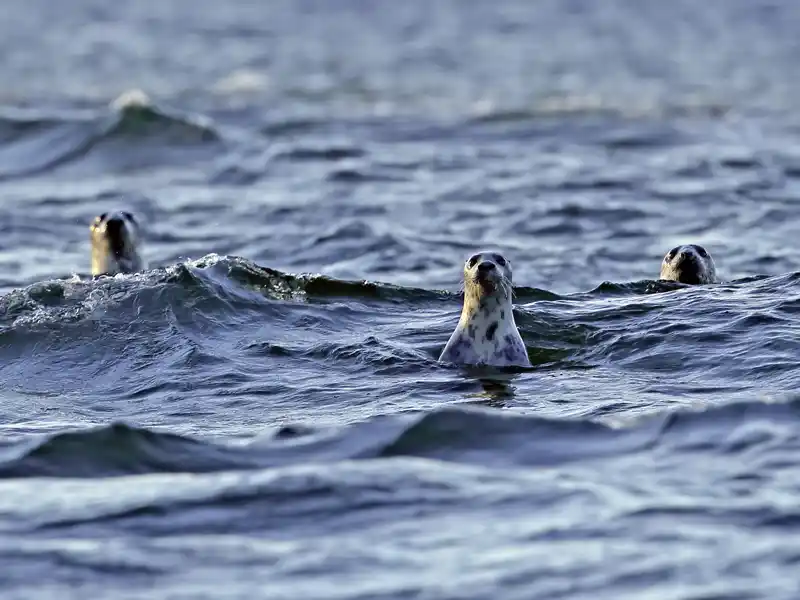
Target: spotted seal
690 264
486 333
115 241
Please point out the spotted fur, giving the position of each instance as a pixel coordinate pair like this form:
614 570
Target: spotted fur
486 333
116 244
690 264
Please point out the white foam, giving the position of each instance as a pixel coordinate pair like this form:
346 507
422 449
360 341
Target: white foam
242 81
134 98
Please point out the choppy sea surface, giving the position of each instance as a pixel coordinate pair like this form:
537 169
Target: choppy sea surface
260 414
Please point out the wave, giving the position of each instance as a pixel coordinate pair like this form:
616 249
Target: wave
592 107
119 450
237 282
209 327
136 116
133 134
453 434
612 320
230 280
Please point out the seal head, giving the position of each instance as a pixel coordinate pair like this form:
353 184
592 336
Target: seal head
115 241
690 264
486 333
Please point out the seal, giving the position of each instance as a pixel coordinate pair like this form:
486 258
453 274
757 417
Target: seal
115 244
486 333
690 264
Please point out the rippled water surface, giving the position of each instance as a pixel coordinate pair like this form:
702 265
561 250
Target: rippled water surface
261 413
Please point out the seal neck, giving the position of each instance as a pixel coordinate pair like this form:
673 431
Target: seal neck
482 310
105 262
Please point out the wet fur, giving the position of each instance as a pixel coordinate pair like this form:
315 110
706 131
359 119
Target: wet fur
105 259
486 333
690 264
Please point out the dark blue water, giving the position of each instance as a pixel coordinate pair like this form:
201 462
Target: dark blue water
261 414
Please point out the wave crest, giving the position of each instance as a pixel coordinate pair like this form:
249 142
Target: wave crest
483 436
134 134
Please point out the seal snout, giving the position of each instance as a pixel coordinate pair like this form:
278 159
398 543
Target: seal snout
488 275
686 261
486 267
687 266
117 234
690 264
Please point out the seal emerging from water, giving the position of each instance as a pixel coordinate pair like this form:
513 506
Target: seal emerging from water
486 333
115 244
690 264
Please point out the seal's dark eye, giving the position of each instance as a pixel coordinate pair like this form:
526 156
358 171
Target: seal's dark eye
471 262
102 217
701 251
498 258
128 216
672 253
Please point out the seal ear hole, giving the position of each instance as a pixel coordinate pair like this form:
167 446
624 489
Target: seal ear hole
471 262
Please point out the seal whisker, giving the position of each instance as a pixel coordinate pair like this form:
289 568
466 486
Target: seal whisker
507 285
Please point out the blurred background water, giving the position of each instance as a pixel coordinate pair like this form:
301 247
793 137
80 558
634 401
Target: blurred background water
261 413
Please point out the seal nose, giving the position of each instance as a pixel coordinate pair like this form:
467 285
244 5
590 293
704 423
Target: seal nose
485 267
116 235
114 225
